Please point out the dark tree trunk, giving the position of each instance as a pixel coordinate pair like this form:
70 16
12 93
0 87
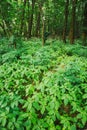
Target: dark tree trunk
30 24
72 29
42 14
22 19
85 24
28 18
66 20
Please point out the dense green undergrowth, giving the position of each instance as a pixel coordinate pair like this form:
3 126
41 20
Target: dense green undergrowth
43 88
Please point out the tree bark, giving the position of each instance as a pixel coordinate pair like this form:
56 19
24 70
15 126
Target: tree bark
37 34
85 24
43 30
22 20
3 28
66 21
30 23
72 29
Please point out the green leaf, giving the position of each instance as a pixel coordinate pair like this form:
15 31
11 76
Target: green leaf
84 119
65 101
85 96
73 127
36 105
10 124
43 110
4 121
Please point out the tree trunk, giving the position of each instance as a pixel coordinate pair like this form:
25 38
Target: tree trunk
85 24
72 29
37 34
43 30
66 21
22 20
4 30
30 23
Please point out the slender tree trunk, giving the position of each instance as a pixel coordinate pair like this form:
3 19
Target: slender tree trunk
28 19
3 28
43 24
30 24
6 27
85 24
72 29
43 30
37 34
22 20
66 20
42 13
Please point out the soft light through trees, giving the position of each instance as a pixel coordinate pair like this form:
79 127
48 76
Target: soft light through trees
24 18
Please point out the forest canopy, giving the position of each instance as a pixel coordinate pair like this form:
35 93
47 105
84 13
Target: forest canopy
32 18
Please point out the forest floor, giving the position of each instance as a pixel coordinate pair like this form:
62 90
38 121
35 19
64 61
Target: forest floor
43 87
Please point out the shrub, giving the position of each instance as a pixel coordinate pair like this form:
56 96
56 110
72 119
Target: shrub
43 90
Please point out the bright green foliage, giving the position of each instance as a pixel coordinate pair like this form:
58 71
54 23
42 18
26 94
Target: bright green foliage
43 88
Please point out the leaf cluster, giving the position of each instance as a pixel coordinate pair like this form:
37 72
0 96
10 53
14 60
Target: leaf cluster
45 89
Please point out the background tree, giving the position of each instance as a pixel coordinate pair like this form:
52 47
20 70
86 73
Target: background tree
24 18
66 20
85 23
31 19
73 19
